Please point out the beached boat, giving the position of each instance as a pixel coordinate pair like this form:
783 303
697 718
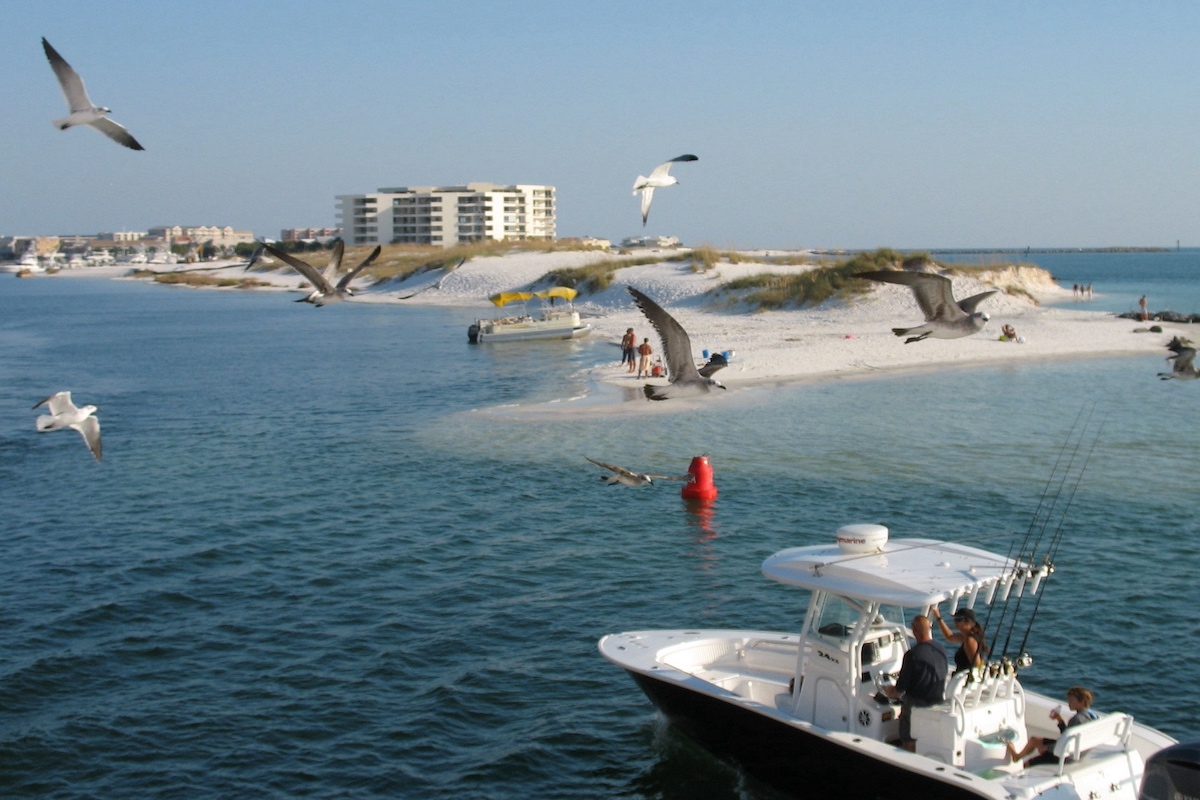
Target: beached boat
808 709
552 322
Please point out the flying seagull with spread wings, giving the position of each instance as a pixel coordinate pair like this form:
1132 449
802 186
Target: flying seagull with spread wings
324 290
684 378
1184 356
438 284
627 477
660 178
65 414
945 317
83 110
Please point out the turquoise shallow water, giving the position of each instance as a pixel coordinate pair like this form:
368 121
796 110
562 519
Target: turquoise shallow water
313 564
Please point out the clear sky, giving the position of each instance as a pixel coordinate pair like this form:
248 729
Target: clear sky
832 124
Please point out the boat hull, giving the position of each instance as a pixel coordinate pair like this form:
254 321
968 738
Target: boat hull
478 334
793 758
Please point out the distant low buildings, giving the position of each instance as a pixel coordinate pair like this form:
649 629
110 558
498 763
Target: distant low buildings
121 236
666 242
449 215
302 234
200 234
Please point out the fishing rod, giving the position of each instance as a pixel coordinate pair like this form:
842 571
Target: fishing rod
1024 546
1057 538
1050 513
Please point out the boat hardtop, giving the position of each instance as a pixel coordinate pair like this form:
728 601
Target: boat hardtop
905 572
815 700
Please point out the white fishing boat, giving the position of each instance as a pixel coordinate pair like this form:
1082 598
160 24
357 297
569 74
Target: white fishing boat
552 322
808 708
27 265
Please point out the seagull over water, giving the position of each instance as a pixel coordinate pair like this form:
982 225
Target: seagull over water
945 317
684 378
83 110
660 178
1184 368
627 477
324 291
65 414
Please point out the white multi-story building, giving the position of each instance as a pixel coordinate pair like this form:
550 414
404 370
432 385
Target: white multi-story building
448 215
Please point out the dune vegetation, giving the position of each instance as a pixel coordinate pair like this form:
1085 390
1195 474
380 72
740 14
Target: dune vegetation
195 279
814 286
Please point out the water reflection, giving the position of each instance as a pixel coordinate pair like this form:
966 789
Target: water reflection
702 516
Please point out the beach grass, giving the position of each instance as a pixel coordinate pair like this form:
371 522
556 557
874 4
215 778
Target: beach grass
194 279
401 261
596 276
815 286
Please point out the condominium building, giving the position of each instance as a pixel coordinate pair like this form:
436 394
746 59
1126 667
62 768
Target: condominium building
448 215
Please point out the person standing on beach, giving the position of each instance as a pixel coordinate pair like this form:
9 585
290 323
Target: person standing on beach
1144 306
644 351
628 341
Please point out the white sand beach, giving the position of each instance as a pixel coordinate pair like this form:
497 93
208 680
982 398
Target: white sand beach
838 339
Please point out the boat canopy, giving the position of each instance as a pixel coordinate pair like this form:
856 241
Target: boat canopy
913 573
559 293
502 299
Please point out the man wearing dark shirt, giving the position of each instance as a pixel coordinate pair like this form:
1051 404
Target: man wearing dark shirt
922 679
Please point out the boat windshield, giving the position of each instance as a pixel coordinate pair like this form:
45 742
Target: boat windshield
839 616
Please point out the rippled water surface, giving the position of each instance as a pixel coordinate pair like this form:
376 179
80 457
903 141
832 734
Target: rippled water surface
313 563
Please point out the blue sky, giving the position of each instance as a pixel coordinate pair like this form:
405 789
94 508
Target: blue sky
839 124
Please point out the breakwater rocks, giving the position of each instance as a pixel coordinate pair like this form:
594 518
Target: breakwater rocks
1161 316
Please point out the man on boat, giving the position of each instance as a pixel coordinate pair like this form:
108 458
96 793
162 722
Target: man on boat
922 679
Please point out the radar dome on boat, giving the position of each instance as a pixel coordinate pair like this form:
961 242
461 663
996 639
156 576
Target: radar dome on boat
861 538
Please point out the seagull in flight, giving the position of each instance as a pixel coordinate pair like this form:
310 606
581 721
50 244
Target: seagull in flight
660 178
1184 368
83 110
437 285
255 258
627 477
324 291
945 317
677 347
65 414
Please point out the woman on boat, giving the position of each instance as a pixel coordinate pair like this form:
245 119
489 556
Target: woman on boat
968 635
1080 701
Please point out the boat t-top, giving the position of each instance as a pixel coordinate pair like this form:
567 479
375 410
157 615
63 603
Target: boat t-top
809 709
553 322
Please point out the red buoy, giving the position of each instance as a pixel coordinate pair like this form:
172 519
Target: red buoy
701 486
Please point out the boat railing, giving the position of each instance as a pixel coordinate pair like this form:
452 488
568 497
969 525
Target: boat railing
1075 741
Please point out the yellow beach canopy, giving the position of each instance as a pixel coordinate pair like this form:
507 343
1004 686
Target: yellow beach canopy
504 298
557 293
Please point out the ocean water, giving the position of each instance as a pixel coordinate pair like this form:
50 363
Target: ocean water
340 553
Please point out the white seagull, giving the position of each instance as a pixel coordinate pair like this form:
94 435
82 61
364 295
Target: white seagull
677 348
945 318
64 414
324 291
660 178
627 477
1184 368
83 110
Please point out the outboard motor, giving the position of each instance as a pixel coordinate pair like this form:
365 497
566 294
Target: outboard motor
473 333
1173 773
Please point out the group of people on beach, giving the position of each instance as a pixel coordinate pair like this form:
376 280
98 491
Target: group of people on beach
1083 290
630 347
922 681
